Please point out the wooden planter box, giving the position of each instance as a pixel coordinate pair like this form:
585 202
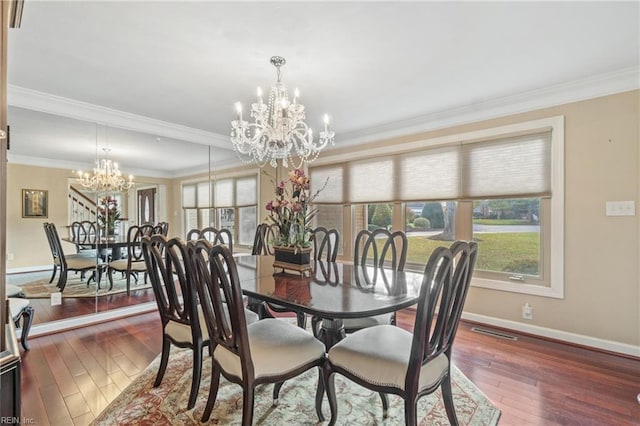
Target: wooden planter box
292 258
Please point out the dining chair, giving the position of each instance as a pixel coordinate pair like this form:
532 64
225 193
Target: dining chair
382 249
164 228
71 262
410 365
267 351
133 264
166 262
213 235
263 239
325 243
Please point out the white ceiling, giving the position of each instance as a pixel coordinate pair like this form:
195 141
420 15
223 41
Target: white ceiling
161 78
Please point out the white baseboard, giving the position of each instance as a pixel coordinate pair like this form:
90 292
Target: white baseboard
29 269
579 339
87 320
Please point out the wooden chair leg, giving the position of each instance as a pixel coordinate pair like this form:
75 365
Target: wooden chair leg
447 397
331 392
213 393
62 279
410 412
320 395
195 378
55 269
302 320
27 319
276 392
164 360
247 404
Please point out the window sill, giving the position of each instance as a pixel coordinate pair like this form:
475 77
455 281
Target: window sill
556 292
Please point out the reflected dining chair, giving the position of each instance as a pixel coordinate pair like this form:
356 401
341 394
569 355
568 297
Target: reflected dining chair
411 365
267 351
380 248
213 235
177 304
134 263
71 262
262 241
325 243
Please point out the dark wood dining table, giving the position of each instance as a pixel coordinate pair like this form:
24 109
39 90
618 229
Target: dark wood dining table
115 243
331 291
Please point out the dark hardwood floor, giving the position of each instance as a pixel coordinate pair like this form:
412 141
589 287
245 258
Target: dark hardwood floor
69 377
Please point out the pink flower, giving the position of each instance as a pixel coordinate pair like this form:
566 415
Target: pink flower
269 206
296 207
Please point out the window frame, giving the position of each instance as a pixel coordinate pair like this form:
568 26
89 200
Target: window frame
552 235
214 211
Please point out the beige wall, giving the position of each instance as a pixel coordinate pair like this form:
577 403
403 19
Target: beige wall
26 240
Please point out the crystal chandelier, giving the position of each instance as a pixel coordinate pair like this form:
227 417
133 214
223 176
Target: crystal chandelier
106 177
278 130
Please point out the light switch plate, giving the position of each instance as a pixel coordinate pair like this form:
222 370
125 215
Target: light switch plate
56 298
621 208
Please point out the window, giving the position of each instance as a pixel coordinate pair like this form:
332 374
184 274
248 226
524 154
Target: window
226 204
502 187
428 225
330 216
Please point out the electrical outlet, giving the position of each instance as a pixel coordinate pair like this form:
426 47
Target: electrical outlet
56 298
527 311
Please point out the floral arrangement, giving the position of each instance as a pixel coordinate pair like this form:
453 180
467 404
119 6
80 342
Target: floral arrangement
291 210
108 213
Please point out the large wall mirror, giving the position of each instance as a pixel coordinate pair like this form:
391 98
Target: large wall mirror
48 171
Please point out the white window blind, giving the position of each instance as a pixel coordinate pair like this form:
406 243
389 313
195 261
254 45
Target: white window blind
246 191
189 196
333 192
224 193
430 175
204 194
503 167
372 180
516 166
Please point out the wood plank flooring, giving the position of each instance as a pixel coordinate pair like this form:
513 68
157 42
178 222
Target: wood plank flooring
69 377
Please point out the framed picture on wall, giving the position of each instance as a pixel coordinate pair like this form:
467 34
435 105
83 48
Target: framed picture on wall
35 203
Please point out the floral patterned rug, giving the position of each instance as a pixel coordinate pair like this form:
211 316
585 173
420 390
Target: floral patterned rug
76 287
141 403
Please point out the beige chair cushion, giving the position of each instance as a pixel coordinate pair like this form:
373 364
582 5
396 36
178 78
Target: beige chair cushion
121 265
380 355
276 346
182 332
16 305
82 262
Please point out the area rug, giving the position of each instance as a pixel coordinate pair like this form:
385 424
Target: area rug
141 403
76 287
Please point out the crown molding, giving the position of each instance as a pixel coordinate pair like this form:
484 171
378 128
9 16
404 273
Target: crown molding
578 90
45 102
26 160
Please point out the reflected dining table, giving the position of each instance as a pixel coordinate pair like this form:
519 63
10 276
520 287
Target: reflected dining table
331 291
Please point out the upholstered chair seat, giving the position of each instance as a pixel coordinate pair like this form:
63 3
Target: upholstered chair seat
385 365
276 349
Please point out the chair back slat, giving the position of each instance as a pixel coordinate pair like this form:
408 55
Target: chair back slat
54 242
325 243
433 295
266 234
393 250
135 234
166 262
